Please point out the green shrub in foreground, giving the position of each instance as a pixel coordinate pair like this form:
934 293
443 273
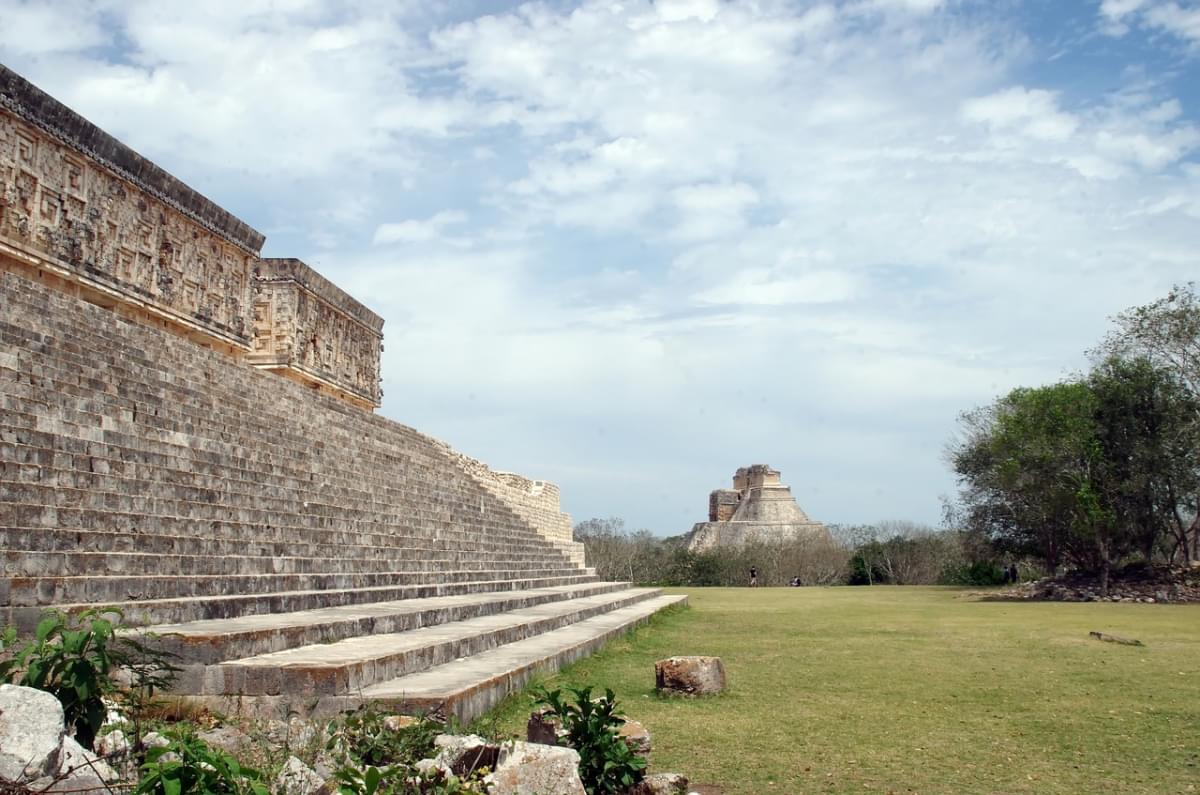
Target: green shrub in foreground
606 763
188 766
73 659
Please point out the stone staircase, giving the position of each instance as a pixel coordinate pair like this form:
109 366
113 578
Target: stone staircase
298 553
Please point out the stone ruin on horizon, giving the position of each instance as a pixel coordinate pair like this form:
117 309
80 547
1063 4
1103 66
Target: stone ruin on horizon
758 508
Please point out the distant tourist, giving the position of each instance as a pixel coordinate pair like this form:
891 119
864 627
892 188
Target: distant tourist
795 582
1013 575
753 576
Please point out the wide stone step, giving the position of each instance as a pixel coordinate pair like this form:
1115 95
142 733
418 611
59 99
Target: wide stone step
350 665
216 542
29 563
144 612
279 527
468 687
112 589
209 642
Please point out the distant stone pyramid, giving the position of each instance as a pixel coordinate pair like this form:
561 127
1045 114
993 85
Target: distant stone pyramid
758 507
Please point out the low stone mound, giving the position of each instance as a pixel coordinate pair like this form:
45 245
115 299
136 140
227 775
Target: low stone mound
1137 583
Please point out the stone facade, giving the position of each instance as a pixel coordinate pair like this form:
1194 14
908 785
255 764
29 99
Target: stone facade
535 501
82 212
80 204
758 507
306 327
85 215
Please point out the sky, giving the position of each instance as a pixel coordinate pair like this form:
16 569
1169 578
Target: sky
628 247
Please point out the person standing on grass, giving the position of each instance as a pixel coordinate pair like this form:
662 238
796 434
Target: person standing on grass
753 576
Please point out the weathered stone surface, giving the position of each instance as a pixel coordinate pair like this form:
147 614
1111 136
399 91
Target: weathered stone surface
113 743
636 736
296 778
154 740
693 676
31 733
78 760
306 325
758 508
397 722
227 738
543 727
661 784
463 754
533 769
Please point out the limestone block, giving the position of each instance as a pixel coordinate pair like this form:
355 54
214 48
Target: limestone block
661 784
543 727
31 733
693 676
296 778
463 754
636 736
77 760
112 744
532 769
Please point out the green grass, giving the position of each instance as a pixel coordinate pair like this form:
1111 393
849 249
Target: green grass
913 690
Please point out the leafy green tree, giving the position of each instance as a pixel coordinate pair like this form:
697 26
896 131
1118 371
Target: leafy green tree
1167 332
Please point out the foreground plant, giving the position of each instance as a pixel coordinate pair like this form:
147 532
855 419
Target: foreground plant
74 657
606 762
189 766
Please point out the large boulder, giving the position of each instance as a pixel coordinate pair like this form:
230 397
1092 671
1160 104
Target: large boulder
692 676
31 733
534 769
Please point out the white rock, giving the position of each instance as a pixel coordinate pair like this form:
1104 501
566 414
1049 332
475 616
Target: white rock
461 754
534 769
154 740
80 761
296 778
31 733
112 744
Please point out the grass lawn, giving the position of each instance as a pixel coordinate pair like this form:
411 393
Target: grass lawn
913 690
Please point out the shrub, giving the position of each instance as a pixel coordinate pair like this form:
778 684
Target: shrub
188 766
606 763
363 739
73 658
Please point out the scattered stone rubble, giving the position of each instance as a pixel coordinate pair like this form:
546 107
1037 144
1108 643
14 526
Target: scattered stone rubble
1147 585
37 754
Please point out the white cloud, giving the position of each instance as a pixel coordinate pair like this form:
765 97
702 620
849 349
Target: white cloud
1169 16
418 231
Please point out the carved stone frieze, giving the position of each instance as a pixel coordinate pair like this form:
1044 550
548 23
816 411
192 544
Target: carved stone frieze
56 205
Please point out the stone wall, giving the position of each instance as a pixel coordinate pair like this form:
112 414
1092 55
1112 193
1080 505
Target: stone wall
76 201
535 501
308 328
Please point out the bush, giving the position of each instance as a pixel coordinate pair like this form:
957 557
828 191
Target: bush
73 658
188 766
981 572
364 739
606 763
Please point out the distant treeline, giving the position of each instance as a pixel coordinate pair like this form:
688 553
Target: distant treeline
1095 472
894 552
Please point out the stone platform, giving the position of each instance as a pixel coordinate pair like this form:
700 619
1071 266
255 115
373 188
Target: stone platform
187 436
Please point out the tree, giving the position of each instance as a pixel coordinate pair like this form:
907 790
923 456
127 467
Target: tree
1167 332
1148 426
